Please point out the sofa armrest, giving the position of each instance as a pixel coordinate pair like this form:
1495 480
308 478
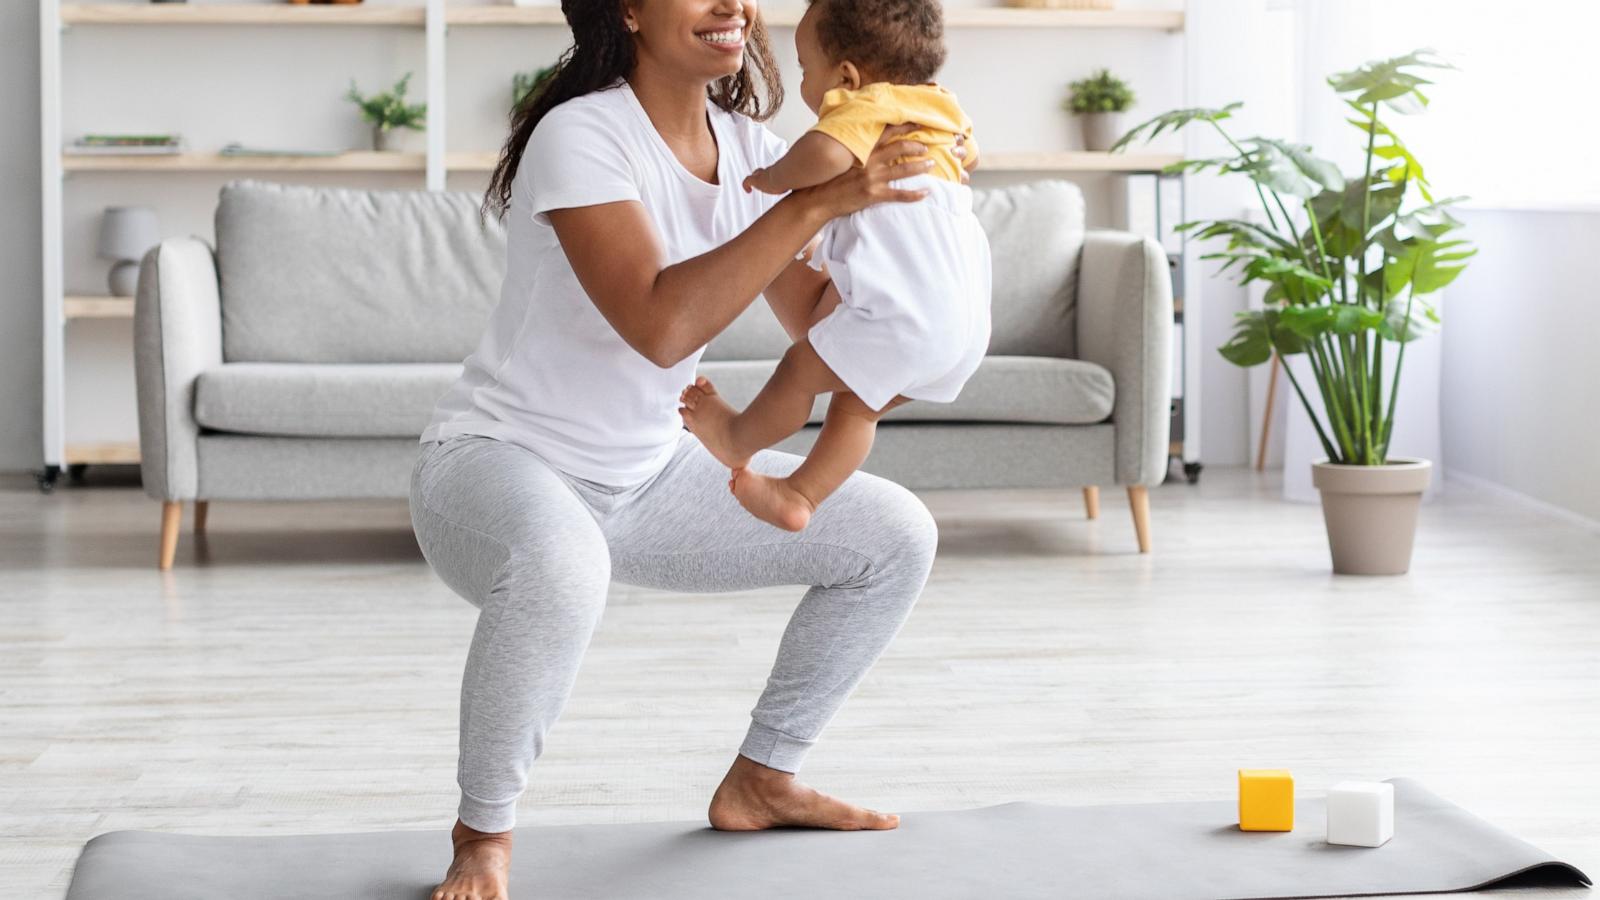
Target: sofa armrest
1125 325
177 334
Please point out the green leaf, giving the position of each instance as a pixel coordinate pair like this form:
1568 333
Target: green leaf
1390 81
1239 233
1439 265
1424 321
1251 343
1310 322
1312 167
1100 92
1424 264
1274 171
1172 121
1256 334
1188 166
1300 284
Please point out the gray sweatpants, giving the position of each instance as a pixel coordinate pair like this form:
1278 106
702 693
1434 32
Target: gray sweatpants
535 549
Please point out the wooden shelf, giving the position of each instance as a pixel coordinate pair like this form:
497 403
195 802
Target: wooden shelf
98 307
787 16
484 161
109 453
783 16
238 14
1065 161
504 15
352 161
1076 161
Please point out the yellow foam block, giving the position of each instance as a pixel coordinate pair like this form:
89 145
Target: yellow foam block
1266 800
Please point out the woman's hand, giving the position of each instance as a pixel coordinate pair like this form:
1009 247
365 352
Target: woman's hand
959 151
863 186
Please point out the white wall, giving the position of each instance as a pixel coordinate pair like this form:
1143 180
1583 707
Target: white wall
151 79
20 385
1241 50
1521 373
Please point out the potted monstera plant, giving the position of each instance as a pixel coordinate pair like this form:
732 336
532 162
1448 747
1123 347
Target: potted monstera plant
1350 264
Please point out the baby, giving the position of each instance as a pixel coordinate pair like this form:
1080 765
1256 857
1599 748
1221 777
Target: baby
906 315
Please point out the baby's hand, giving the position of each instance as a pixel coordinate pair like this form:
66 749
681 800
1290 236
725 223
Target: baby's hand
757 180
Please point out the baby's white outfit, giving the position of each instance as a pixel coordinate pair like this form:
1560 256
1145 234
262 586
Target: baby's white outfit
914 281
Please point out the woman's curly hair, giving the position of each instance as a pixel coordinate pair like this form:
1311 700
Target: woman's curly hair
601 53
900 41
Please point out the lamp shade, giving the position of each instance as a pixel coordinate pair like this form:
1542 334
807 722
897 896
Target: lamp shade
126 232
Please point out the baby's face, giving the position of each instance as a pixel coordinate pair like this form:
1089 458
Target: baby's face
818 74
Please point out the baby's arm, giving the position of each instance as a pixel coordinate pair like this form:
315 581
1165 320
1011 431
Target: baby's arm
811 160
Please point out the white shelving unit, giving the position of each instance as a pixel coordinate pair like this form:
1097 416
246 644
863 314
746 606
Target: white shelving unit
434 17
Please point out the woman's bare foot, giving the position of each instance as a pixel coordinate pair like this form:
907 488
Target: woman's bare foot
481 868
710 418
772 500
753 797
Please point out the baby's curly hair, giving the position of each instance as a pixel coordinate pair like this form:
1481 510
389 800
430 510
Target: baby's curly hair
900 41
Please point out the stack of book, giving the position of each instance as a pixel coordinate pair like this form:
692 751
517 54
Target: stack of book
127 144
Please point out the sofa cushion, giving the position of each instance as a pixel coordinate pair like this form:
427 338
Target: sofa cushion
1020 389
321 400
1035 235
338 275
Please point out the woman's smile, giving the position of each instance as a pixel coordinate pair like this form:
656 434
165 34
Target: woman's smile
728 37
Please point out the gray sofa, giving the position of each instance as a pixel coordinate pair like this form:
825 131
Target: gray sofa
301 358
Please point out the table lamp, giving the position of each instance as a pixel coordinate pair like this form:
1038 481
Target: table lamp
126 232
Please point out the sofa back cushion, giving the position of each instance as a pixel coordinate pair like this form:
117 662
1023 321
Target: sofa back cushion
337 275
1035 236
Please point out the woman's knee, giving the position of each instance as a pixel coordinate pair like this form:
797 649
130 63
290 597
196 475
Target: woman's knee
903 532
918 531
465 559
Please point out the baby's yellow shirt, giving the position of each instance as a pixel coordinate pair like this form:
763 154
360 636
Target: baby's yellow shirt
857 118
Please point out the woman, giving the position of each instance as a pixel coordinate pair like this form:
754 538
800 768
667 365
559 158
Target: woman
558 461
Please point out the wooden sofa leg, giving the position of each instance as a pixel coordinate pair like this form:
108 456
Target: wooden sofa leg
171 521
201 507
1091 502
1139 501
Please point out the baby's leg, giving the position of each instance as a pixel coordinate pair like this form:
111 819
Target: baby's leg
825 304
841 448
778 411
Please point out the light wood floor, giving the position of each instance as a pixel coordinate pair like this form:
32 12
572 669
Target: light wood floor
299 671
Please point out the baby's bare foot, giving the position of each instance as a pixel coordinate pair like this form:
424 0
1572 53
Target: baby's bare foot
481 867
753 797
772 500
710 418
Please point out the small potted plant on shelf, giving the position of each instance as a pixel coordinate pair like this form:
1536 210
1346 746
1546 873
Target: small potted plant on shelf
388 111
1351 264
1099 102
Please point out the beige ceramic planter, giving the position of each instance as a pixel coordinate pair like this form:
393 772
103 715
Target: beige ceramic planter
1371 513
1100 130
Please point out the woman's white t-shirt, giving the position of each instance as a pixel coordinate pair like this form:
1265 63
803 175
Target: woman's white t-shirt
550 373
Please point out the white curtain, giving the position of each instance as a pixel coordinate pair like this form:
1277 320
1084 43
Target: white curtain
1511 127
1338 35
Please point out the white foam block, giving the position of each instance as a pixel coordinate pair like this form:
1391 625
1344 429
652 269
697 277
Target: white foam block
1361 813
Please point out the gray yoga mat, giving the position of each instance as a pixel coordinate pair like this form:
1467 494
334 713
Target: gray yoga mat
1016 850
